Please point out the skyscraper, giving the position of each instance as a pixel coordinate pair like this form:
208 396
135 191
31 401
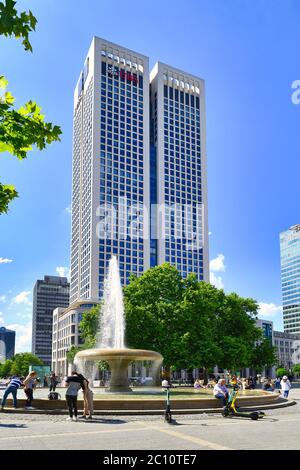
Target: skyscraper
48 294
290 278
139 169
7 343
178 167
110 167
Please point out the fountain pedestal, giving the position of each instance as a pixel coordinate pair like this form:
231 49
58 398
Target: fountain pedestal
119 376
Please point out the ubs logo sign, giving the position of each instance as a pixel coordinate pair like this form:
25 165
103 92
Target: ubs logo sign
296 94
123 74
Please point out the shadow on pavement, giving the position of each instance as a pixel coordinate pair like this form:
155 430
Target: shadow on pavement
102 421
2 425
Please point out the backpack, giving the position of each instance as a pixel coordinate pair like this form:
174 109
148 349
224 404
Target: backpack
54 396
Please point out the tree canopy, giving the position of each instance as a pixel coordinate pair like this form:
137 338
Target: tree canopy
25 127
19 364
193 324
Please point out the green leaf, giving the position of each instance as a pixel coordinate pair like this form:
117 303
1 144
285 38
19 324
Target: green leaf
3 82
9 98
7 194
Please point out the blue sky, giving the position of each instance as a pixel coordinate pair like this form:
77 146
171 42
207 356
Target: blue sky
246 51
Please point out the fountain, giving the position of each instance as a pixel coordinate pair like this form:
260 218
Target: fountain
110 345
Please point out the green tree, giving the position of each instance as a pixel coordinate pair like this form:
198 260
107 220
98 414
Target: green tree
22 361
200 303
192 324
154 319
89 325
263 355
19 26
19 364
5 368
236 331
296 369
23 128
281 371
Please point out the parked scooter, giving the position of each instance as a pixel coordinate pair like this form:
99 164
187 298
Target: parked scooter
231 410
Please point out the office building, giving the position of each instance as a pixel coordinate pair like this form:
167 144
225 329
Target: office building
136 144
48 294
7 343
178 170
287 348
110 167
290 278
65 333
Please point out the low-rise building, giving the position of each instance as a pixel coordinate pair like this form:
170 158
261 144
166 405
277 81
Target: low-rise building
286 346
65 333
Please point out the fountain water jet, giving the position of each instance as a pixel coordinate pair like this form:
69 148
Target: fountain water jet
110 345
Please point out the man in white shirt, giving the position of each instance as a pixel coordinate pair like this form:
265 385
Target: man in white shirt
285 386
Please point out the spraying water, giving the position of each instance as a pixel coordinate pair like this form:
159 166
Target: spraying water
112 323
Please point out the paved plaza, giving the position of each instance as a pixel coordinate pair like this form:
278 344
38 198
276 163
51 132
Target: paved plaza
280 429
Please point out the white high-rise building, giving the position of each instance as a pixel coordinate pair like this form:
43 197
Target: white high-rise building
110 167
178 171
136 145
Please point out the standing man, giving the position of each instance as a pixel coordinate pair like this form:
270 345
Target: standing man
12 387
285 386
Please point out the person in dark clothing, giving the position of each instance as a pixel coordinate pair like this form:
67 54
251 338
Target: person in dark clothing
53 382
74 384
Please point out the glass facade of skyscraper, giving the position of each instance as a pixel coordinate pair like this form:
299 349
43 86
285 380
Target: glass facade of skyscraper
110 168
178 136
290 278
121 163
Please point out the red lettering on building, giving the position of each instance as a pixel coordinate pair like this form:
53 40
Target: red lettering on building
124 75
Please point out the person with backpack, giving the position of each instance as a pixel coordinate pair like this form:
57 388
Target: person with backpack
12 387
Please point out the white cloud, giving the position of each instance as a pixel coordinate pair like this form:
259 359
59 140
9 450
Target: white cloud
69 209
216 281
217 264
23 336
63 271
1 319
5 260
2 298
268 310
22 298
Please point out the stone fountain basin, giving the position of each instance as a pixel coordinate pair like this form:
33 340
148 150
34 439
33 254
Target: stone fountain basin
118 361
119 354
